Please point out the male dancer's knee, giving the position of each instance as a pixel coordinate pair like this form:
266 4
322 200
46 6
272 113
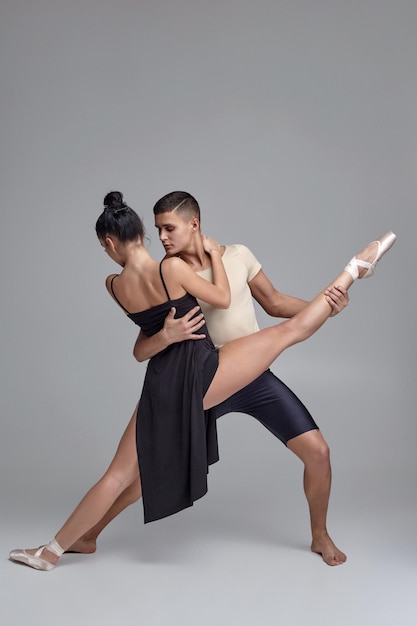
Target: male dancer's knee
311 448
322 453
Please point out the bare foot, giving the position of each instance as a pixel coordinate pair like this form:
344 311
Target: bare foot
83 546
324 546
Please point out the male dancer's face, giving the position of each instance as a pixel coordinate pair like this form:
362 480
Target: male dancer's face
176 233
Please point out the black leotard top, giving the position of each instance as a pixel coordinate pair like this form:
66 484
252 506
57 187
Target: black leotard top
176 439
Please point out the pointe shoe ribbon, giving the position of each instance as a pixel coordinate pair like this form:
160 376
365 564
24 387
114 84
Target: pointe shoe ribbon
35 560
384 244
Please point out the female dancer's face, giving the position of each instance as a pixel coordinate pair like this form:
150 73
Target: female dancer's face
175 233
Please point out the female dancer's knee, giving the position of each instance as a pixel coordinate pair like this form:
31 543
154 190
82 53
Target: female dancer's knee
295 330
118 481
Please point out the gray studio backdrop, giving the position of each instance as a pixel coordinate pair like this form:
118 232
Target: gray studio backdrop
294 125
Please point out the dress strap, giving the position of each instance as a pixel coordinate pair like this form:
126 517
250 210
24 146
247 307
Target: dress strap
114 295
163 282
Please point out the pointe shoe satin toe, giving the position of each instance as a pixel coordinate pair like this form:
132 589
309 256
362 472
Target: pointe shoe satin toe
35 560
355 265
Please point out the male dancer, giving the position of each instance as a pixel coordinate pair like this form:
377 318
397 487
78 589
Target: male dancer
177 217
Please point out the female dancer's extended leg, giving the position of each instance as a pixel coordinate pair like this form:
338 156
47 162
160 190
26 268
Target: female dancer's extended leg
243 360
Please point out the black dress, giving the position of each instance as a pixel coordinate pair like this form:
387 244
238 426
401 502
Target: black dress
176 439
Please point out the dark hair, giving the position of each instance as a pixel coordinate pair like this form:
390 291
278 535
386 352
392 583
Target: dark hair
119 220
181 201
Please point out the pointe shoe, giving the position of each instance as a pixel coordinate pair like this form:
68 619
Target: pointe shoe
35 560
384 244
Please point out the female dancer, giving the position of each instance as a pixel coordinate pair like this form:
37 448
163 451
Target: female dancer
175 440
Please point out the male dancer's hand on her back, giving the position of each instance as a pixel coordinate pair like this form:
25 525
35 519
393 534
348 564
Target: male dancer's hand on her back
183 328
173 331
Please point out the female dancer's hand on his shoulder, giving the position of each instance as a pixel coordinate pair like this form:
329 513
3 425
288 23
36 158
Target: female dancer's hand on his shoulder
211 245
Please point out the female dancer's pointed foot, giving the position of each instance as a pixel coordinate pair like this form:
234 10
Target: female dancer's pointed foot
43 558
363 264
330 554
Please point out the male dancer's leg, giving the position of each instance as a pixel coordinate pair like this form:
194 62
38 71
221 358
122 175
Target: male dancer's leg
313 451
276 407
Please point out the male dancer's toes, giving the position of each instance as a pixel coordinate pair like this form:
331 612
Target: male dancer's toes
330 553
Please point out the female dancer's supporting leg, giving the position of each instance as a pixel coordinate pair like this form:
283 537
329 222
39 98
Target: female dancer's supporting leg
240 362
122 472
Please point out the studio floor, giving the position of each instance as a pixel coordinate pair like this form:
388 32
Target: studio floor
234 558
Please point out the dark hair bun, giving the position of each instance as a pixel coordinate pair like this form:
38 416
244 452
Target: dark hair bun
119 220
114 200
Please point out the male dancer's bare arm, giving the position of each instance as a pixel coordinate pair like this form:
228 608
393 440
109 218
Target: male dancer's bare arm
278 304
173 331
